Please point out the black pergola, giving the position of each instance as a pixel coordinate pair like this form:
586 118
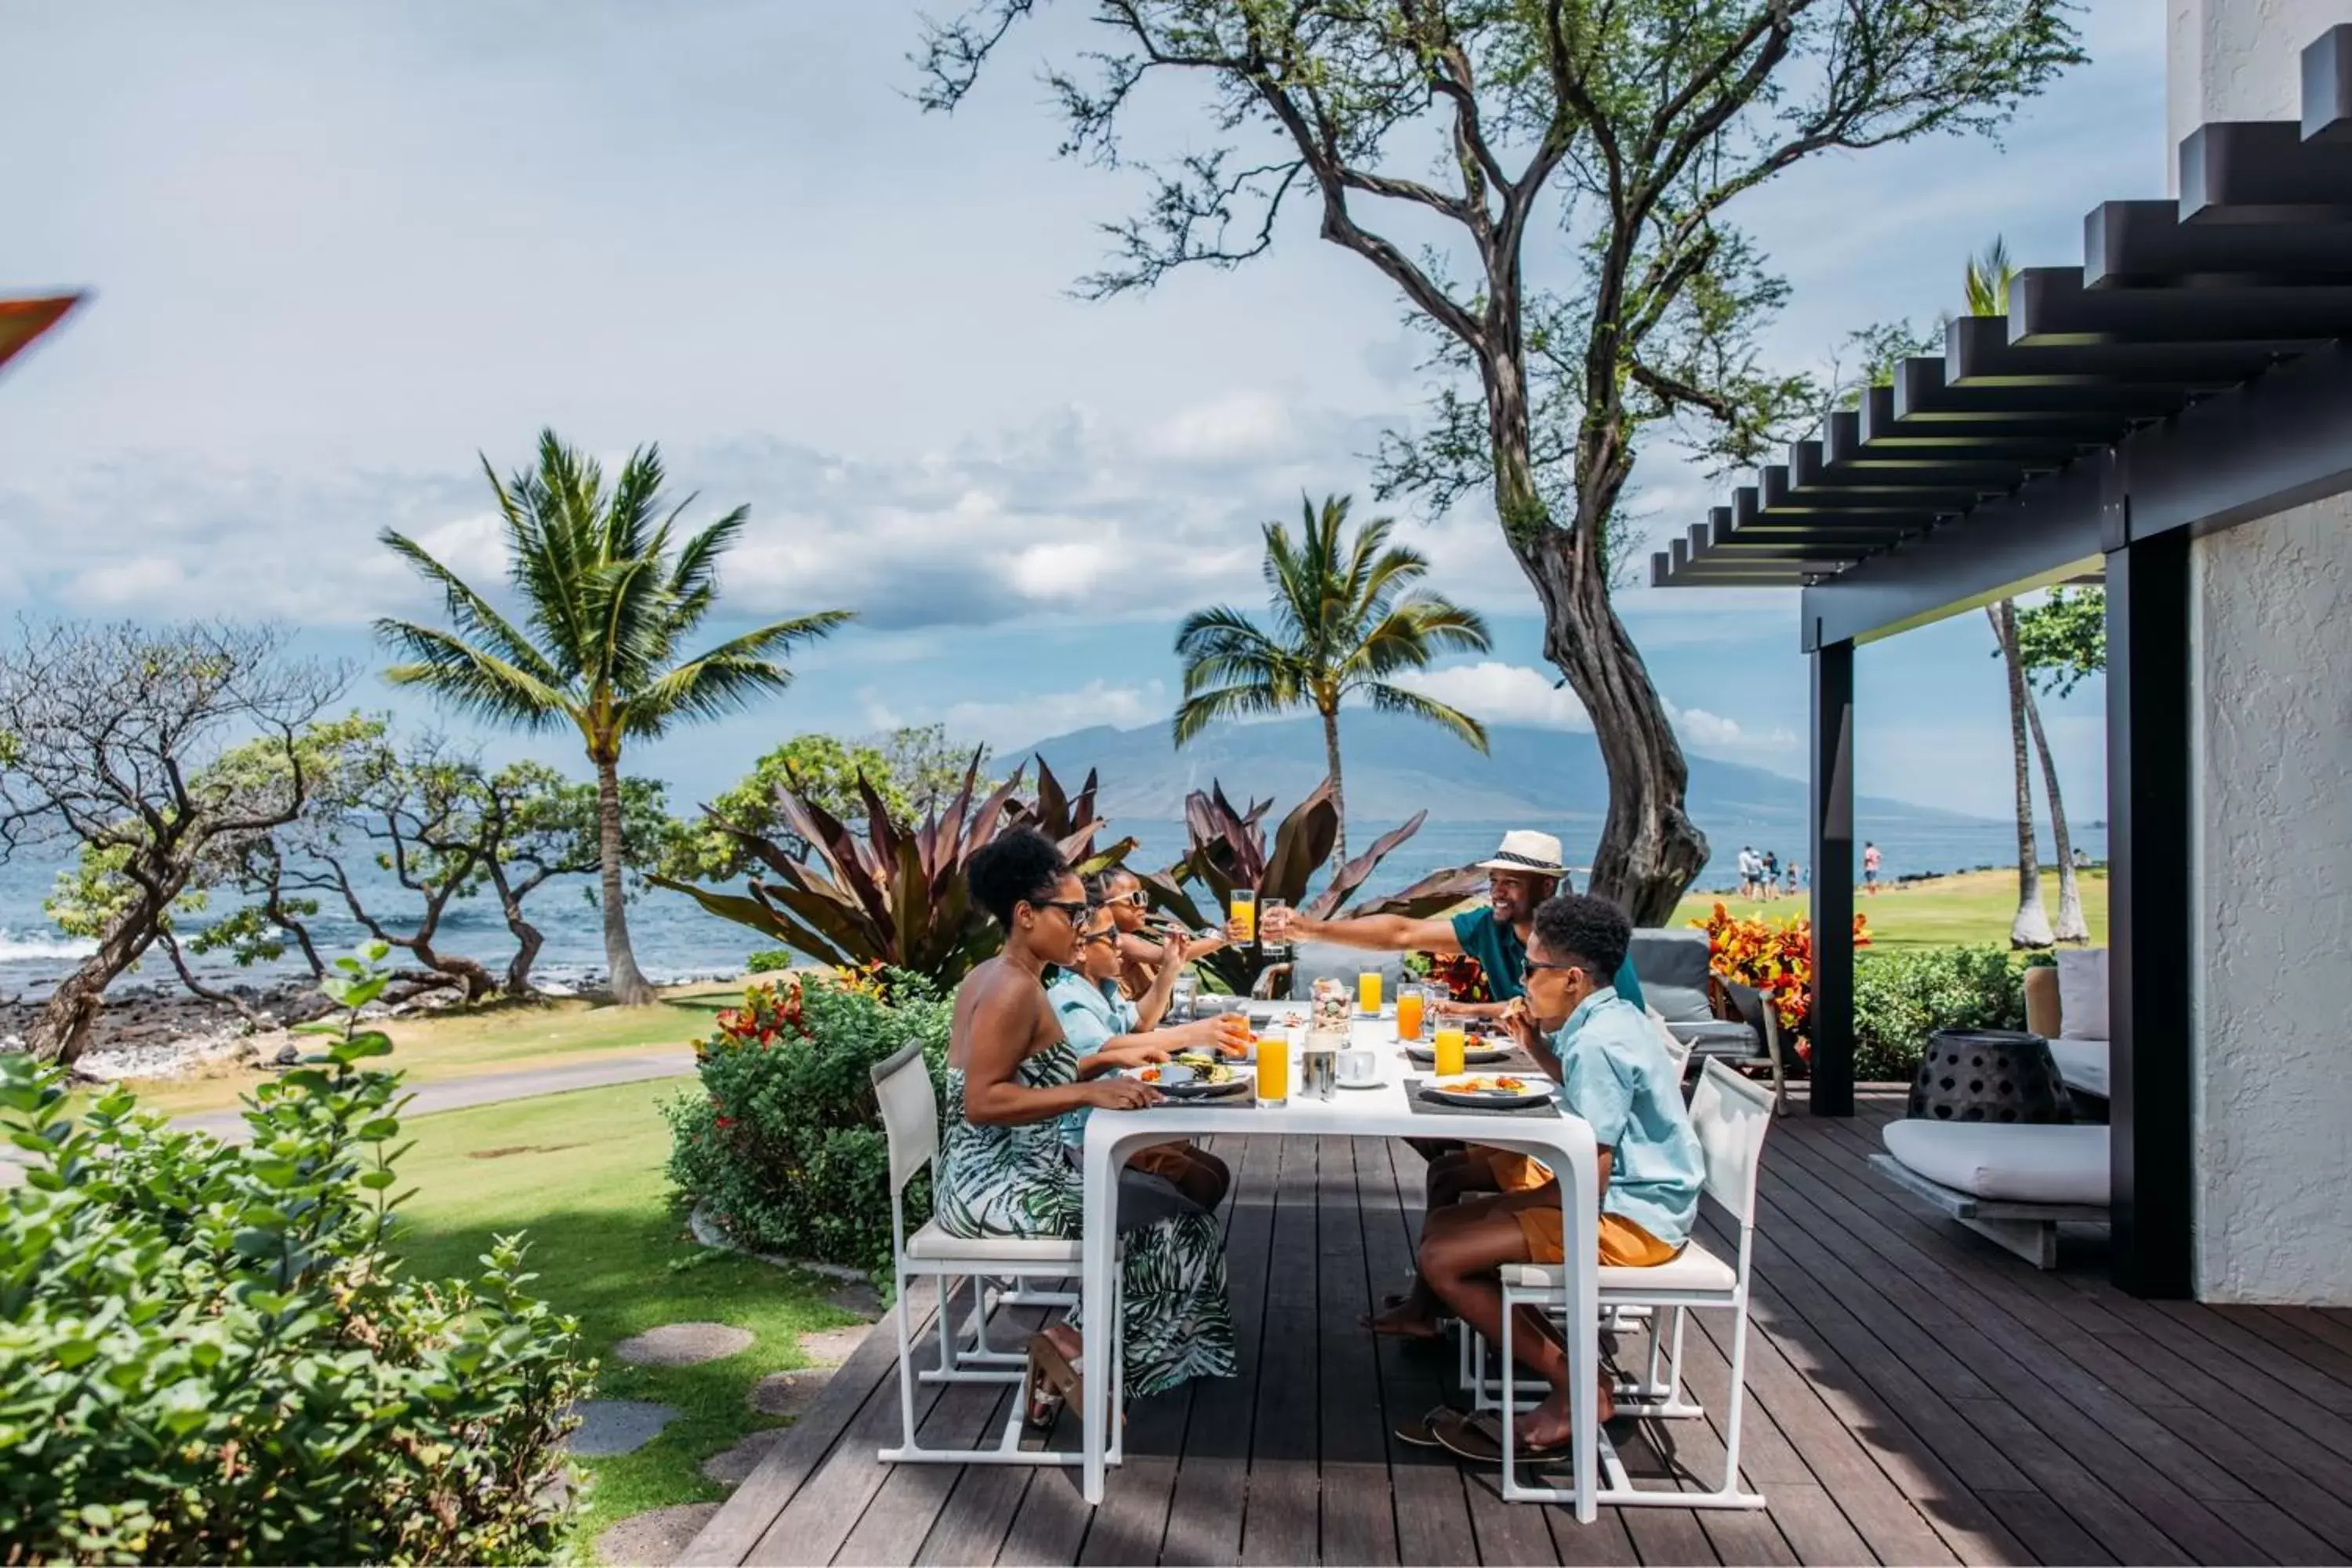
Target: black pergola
2193 374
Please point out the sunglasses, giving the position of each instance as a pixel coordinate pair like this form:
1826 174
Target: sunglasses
1137 899
1533 969
1073 911
1090 938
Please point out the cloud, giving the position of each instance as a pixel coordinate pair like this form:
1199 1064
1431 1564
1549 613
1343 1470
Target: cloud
1503 693
1020 721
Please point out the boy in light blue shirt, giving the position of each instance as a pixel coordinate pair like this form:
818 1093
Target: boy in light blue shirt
1613 1072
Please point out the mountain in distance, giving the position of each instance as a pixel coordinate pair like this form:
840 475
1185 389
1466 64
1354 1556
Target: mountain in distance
1396 765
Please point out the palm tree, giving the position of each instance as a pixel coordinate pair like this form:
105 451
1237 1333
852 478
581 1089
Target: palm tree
607 601
1985 286
1339 629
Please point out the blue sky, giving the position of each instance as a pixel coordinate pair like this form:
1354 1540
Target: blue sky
339 251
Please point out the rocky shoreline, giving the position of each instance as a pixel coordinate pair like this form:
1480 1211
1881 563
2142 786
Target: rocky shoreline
148 1032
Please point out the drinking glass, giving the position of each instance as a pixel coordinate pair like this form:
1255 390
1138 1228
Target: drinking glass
1273 1069
1451 1043
1243 911
1368 992
1410 999
1271 908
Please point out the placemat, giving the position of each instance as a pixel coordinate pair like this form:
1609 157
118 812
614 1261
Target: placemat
1516 1060
1422 1107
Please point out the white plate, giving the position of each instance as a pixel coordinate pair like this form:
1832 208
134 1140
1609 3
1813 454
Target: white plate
1538 1089
1380 1082
1422 1051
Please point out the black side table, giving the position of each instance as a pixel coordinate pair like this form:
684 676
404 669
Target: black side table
1989 1075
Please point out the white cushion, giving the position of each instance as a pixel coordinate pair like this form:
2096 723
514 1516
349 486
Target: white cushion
2082 993
932 1244
1692 1269
2082 1063
2026 1164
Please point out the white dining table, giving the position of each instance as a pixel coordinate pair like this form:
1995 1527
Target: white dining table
1564 1143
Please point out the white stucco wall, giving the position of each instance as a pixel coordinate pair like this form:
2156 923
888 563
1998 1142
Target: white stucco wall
2271 748
2270 865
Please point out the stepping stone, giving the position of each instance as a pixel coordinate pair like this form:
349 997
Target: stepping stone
831 1347
788 1393
857 1298
657 1537
684 1345
609 1426
731 1467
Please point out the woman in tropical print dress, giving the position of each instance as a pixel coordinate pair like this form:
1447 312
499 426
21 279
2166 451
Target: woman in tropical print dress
1003 1167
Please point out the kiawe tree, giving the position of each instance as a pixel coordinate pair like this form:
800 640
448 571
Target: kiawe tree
1628 126
609 598
1347 619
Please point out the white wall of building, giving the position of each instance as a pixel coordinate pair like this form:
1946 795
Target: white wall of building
2270 869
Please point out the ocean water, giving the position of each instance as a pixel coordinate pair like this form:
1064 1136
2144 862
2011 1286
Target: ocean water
675 939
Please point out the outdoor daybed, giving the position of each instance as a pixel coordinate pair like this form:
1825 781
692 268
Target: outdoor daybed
2012 1183
2067 1006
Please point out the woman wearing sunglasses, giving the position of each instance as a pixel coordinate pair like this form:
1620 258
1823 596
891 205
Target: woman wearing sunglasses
1141 957
1004 1170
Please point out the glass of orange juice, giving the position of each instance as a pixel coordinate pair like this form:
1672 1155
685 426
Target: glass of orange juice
1409 1005
1242 909
1273 1069
1451 1043
1368 992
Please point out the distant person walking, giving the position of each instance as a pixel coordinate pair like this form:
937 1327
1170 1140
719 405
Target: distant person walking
1772 874
1751 869
1869 866
1791 886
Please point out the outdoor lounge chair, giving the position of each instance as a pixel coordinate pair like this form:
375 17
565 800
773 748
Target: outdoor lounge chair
910 1122
2013 1184
1731 1114
1680 986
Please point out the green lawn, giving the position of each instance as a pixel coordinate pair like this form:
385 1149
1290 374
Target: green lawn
499 1037
581 1172
1969 910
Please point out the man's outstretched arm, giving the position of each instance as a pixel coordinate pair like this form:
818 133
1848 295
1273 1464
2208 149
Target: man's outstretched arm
1382 933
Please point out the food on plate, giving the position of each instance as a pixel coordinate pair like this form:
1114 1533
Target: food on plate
1500 1084
1198 1069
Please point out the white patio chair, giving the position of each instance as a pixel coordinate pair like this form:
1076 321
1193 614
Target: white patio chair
1731 1114
910 1122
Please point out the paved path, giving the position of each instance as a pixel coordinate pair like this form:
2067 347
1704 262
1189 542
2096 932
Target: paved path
601 1071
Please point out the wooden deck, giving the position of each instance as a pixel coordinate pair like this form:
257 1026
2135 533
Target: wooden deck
1916 1395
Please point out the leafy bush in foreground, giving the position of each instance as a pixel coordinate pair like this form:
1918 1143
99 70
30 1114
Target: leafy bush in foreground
784 1147
1901 997
206 1354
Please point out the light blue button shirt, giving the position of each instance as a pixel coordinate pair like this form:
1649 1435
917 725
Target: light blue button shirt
1093 1014
1616 1073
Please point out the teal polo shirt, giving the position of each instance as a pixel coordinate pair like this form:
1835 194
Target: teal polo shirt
1504 957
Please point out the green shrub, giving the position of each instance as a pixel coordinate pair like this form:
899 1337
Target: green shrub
1903 996
783 1147
208 1353
768 960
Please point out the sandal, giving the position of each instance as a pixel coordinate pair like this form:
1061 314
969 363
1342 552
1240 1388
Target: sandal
1419 1431
1062 1378
1041 1399
1479 1440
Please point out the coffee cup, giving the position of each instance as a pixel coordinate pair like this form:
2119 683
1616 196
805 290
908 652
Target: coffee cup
1359 1066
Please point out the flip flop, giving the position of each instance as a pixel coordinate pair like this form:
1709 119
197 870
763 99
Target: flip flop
1419 1431
1371 1324
1479 1440
1061 1375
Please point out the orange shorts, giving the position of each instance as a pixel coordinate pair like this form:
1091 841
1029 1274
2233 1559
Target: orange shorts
1510 1173
1624 1244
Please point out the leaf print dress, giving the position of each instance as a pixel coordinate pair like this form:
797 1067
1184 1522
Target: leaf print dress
1174 1321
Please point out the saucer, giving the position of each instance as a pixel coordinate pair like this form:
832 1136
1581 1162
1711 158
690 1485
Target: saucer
1375 1082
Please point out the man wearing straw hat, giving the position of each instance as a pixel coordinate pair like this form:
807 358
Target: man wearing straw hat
1522 873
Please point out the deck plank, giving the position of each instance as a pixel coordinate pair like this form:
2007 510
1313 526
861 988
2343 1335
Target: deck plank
1914 1396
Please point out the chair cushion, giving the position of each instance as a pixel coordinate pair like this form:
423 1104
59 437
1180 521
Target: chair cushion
1692 1269
1717 1037
2082 1063
1672 966
932 1244
2023 1164
2082 993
